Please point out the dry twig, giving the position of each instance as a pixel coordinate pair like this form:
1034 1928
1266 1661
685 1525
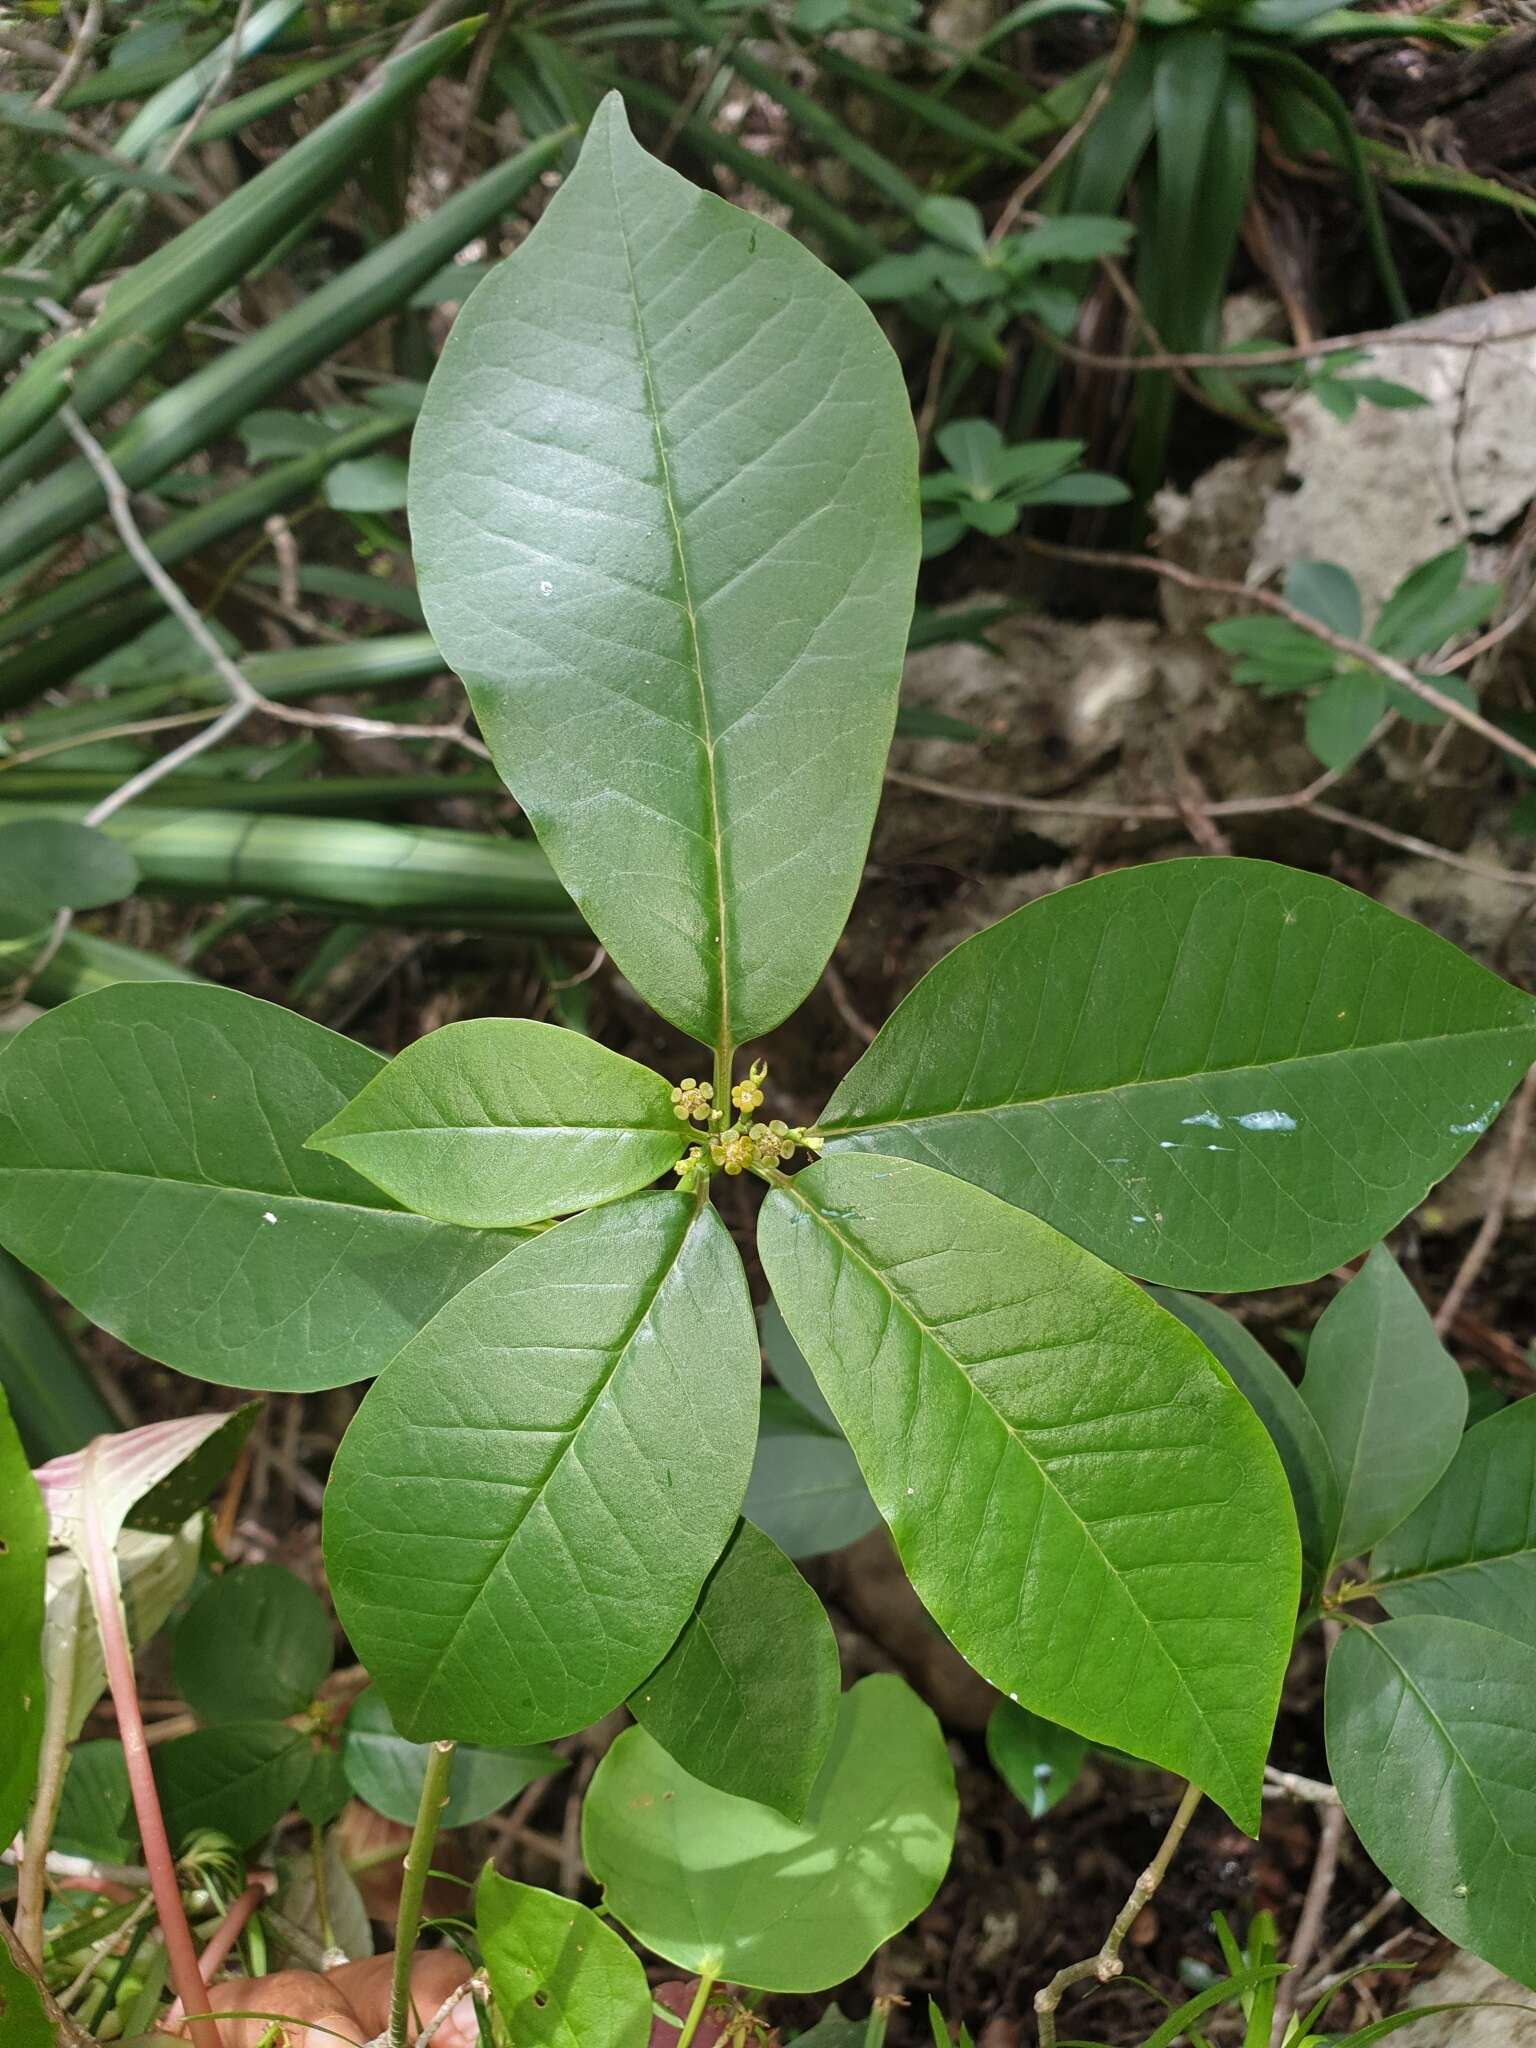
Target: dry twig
1105 1963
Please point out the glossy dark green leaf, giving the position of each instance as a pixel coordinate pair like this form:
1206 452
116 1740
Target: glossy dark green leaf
1469 1548
725 1885
238 1780
746 1698
1037 1760
521 1516
500 1120
806 1489
663 497
1277 1401
561 1978
255 1643
1432 1744
1218 1074
387 1772
96 1817
1388 1399
1040 1435
23 1571
153 1169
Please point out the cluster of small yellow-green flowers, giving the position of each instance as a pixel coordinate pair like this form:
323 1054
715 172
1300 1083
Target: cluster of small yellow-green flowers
742 1145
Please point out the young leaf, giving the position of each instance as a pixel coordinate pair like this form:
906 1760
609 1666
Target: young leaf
1279 1406
1469 1548
1218 1074
601 1384
746 1698
1037 1760
387 1772
1388 1398
1342 717
23 1571
238 1780
254 1645
712 1882
561 1978
1430 607
500 1121
1431 1735
955 221
154 1572
1327 593
663 494
973 449
153 1169
806 1490
1041 1437
151 1478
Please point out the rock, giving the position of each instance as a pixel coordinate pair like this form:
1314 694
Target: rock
1466 1980
1385 490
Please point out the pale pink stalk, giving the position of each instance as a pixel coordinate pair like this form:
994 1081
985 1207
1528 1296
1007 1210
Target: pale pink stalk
223 1939
101 1563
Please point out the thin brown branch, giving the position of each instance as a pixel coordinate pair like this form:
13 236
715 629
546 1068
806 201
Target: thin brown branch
1309 1926
1278 357
244 697
75 62
1327 1964
1066 143
1291 1785
1105 1963
1517 1130
1341 643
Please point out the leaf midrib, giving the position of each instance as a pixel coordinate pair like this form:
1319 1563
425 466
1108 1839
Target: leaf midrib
899 1302
535 1492
1116 1088
717 969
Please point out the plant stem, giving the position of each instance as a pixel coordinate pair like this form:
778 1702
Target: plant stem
725 1053
31 1885
1106 1963
706 1982
106 1596
413 1885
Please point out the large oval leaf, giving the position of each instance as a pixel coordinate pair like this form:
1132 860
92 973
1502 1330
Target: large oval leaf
1389 1399
721 1884
1219 1074
664 502
561 1977
1082 1499
153 1170
499 1120
1432 1744
746 1698
806 1489
522 1513
1469 1548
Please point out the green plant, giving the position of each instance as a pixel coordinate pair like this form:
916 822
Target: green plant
987 485
1346 701
665 507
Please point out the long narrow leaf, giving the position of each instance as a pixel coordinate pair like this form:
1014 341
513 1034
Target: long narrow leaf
152 301
337 866
188 417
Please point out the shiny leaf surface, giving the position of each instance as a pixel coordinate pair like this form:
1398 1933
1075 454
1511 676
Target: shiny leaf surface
1218 1074
1042 1438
